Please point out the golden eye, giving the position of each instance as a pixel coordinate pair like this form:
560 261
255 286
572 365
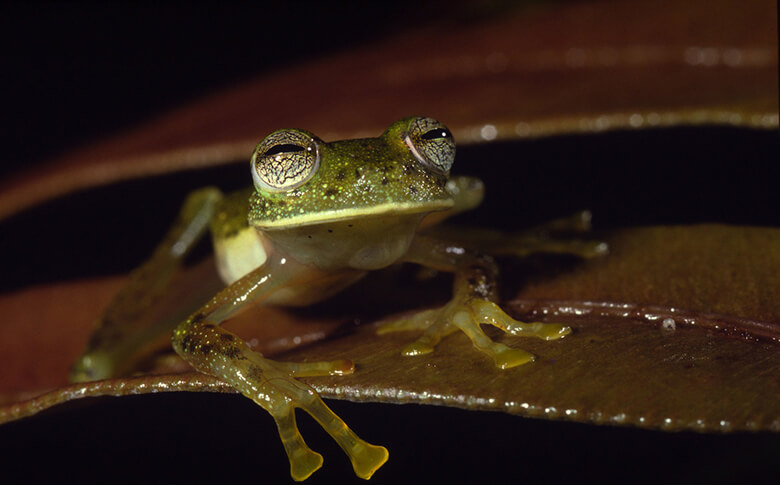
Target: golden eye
431 143
285 160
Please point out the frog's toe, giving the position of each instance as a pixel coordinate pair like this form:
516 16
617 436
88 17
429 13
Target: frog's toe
418 347
367 458
507 357
544 331
503 356
490 313
304 463
593 249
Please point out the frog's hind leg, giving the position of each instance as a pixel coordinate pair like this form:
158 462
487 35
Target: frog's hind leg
541 239
131 328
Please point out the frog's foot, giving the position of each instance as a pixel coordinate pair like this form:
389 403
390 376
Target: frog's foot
539 239
365 457
273 385
524 246
467 316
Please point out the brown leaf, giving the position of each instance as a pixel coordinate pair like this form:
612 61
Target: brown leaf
577 67
663 364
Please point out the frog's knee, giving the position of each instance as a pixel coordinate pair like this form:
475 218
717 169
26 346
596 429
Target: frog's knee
92 366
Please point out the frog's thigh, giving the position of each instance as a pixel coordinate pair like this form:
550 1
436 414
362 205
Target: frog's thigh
130 327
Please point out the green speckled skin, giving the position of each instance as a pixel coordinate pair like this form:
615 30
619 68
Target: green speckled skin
355 174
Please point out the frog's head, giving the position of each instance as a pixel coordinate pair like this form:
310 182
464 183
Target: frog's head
321 202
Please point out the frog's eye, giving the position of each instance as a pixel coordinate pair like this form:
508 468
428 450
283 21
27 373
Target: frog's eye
285 160
431 143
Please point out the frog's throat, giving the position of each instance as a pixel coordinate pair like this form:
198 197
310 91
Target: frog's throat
345 214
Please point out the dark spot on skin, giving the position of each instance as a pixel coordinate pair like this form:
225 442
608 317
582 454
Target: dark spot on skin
441 182
232 353
357 173
349 225
472 281
331 192
226 337
197 318
255 372
209 325
330 230
309 236
384 181
186 343
206 349
340 175
408 168
413 189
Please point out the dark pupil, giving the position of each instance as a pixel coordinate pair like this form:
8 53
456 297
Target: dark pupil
437 133
284 148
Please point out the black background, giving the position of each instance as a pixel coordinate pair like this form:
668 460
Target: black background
77 72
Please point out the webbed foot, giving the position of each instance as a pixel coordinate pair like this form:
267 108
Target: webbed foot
281 394
467 315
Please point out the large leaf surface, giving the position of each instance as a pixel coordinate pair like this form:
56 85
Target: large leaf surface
659 341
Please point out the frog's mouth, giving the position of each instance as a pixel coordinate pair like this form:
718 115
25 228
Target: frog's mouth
390 209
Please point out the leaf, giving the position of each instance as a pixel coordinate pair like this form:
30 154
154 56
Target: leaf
555 69
573 88
620 366
630 360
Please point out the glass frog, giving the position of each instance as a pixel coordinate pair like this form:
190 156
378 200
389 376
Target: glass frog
320 217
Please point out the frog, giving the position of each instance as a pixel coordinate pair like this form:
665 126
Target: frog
318 218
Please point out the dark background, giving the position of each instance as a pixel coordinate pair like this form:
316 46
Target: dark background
76 72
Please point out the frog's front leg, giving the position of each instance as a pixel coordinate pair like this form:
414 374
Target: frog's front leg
213 350
473 304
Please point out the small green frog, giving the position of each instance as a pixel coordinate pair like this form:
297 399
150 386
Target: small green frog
319 217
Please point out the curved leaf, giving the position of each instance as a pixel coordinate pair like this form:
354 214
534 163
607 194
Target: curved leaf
559 68
671 366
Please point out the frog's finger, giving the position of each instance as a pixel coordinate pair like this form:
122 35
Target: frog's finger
365 457
577 222
490 313
423 345
504 357
312 369
303 461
